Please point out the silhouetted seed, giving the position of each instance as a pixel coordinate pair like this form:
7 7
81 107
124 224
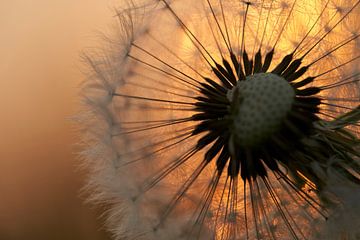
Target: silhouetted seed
247 64
232 76
222 78
257 63
292 68
308 91
283 64
268 59
297 74
303 83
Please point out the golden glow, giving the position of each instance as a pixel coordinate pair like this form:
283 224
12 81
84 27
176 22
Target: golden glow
40 73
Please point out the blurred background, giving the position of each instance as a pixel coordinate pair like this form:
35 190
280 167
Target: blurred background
40 72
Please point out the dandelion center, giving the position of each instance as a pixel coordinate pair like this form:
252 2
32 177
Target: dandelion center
259 105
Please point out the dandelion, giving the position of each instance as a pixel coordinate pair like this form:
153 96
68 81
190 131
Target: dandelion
227 120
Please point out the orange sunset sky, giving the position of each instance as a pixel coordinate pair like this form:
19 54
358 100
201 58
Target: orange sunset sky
40 72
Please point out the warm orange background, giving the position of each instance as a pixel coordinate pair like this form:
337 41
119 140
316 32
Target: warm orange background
40 43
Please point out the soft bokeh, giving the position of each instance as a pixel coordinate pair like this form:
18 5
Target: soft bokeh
39 78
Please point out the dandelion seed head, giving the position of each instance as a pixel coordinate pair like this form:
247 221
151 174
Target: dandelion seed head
226 120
